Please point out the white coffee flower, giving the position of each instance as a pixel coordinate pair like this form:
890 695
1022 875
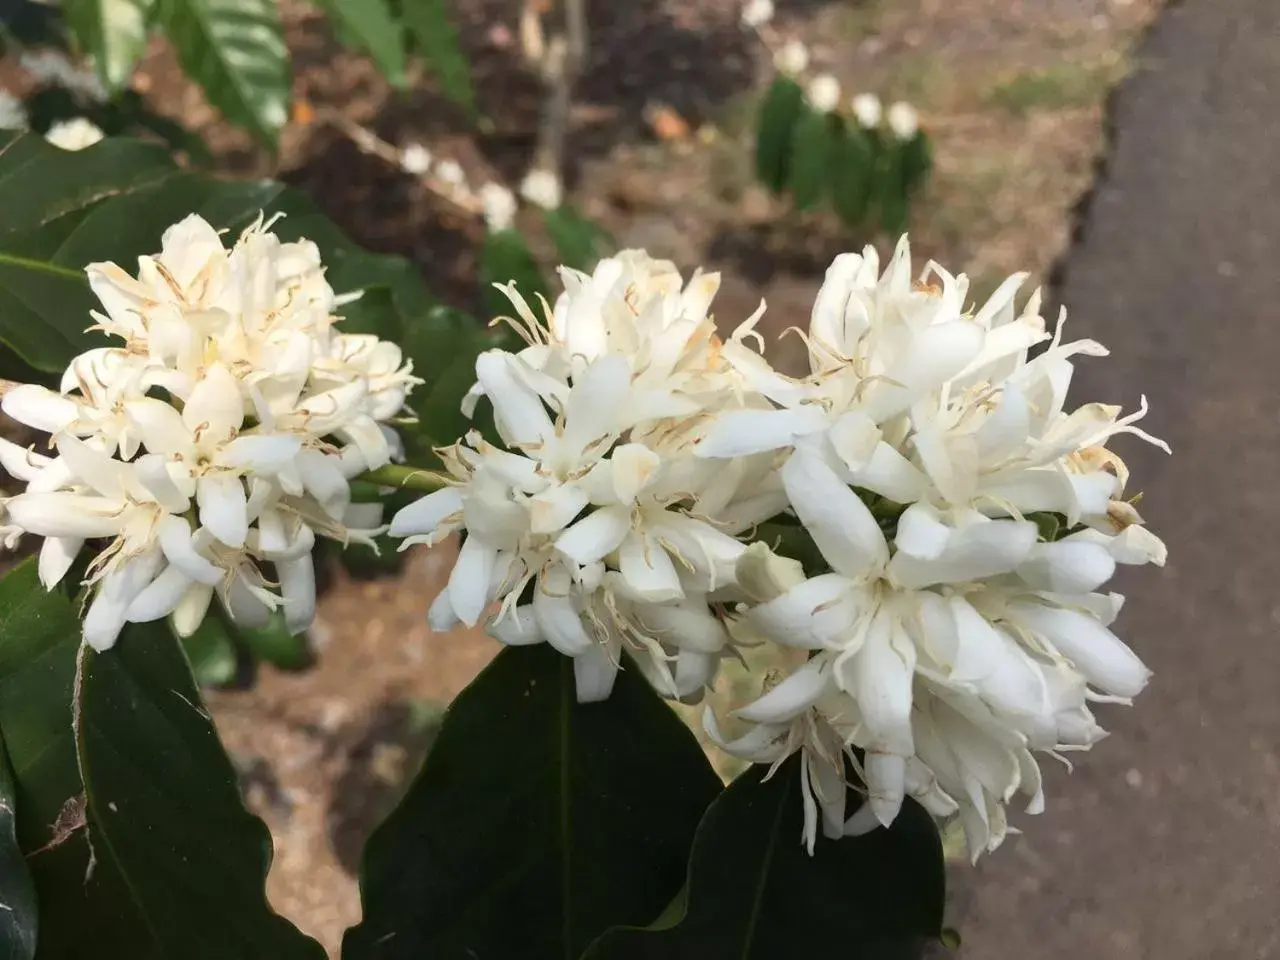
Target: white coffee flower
13 113
903 120
867 110
756 13
451 174
415 159
242 459
499 206
74 134
823 93
792 59
542 188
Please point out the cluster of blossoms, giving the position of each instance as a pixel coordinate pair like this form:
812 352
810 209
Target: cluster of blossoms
211 445
957 522
497 203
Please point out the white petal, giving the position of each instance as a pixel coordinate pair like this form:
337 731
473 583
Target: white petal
323 478
189 613
594 672
215 408
223 508
838 521
595 536
441 617
596 405
517 629
298 591
790 620
62 514
632 466
116 591
56 556
424 516
793 696
245 606
1095 651
891 475
689 626
21 463
854 438
886 784
935 354
160 426
742 432
1067 566
469 582
975 552
648 570
38 407
879 677
260 453
557 616
921 532
177 542
555 508
160 598
519 412
153 474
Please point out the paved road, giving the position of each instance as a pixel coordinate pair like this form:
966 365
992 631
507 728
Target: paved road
1165 843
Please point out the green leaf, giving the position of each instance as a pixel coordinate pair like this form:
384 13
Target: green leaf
891 191
505 258
113 31
235 50
370 24
779 113
852 172
754 892
536 822
917 161
211 653
178 863
814 141
436 39
18 918
578 241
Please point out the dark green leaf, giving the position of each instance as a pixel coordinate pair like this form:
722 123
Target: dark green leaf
436 38
275 644
235 50
113 31
917 160
853 168
443 345
370 25
374 313
18 918
754 892
814 141
779 113
178 863
578 241
536 822
506 259
211 653
891 191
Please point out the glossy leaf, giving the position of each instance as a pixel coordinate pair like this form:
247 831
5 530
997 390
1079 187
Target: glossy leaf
235 50
505 258
578 241
436 38
536 822
18 918
371 26
113 31
754 893
178 863
780 111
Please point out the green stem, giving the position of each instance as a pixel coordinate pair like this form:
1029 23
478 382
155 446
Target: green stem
404 478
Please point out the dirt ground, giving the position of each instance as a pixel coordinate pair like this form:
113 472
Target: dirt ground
1012 91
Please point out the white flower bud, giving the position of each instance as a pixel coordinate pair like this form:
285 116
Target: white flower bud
903 120
793 58
451 173
74 134
824 93
542 189
13 115
415 159
867 109
499 205
757 13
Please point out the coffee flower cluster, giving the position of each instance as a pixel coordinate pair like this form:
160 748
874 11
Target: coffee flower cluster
920 522
209 445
